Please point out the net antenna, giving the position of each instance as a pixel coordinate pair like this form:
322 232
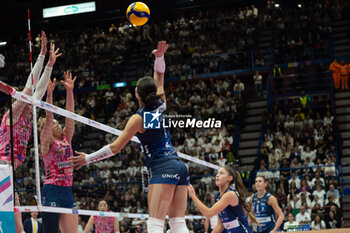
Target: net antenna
35 125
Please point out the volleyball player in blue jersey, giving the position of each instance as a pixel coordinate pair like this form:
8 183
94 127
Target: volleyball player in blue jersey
230 203
265 208
167 192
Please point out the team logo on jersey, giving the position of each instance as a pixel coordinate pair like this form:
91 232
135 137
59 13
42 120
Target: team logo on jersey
25 127
171 176
151 120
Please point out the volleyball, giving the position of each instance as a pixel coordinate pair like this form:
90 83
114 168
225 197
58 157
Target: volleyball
138 13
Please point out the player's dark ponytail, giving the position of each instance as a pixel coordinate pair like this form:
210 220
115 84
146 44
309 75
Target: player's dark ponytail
147 89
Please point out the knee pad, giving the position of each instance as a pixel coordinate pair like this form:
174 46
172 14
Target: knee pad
178 225
155 225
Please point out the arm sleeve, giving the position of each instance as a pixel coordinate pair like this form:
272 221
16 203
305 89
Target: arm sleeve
103 153
42 84
36 71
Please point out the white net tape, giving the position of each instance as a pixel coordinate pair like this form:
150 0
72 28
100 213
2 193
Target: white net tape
92 212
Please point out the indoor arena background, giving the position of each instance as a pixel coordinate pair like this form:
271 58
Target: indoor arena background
293 126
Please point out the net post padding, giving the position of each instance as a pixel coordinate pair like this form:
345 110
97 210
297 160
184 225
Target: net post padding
7 220
11 141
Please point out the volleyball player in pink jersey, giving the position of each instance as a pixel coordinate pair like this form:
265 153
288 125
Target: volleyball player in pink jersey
103 224
55 150
22 113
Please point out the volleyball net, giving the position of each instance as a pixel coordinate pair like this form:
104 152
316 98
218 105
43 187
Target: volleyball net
121 180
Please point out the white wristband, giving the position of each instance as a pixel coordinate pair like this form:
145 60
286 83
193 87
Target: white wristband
159 64
103 153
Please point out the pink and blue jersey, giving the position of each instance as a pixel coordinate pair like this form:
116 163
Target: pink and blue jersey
58 171
104 224
21 134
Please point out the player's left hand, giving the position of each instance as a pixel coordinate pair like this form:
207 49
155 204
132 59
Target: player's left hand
78 161
68 81
161 49
273 231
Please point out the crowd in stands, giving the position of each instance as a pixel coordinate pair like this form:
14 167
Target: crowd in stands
299 158
201 42
301 32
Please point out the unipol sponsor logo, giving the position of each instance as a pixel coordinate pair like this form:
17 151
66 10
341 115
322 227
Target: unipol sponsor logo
171 176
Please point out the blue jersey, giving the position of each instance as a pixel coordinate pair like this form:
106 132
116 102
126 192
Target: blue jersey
155 143
264 213
233 217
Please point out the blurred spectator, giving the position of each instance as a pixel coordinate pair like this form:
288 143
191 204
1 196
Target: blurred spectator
344 74
32 224
335 191
304 100
246 176
335 72
277 77
331 221
328 119
318 223
303 217
238 89
290 224
258 85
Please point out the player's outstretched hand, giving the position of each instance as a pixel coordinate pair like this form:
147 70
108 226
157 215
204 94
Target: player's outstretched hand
161 49
43 43
51 86
78 161
68 81
53 55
